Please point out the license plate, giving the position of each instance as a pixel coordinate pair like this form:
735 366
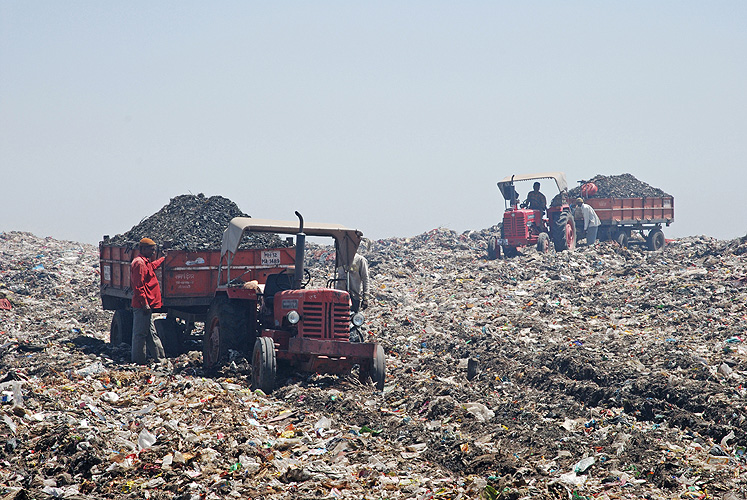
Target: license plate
500 241
271 257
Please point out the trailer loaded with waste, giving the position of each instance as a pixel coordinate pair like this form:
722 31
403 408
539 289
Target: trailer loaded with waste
626 208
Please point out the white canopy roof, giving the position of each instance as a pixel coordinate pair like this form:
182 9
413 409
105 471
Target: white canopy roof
558 177
346 240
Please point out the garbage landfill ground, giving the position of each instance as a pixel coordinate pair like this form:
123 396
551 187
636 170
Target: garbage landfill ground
601 373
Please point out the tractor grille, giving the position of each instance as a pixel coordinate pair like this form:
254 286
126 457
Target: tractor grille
514 225
325 320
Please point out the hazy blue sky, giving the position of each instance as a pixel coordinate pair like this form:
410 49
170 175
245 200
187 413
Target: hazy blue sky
391 117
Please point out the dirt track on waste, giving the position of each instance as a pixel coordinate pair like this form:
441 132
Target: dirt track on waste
600 373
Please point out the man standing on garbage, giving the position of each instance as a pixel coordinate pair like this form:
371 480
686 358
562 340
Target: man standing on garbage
146 297
355 281
591 221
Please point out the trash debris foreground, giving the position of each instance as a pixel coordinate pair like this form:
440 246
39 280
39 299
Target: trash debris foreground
601 373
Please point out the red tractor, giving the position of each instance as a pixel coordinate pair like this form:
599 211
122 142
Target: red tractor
304 328
250 297
534 226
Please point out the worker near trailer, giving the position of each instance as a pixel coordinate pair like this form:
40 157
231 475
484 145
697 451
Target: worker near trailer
535 199
145 298
354 280
591 221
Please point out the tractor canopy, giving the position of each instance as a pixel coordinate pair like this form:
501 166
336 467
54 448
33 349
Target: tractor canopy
506 185
346 240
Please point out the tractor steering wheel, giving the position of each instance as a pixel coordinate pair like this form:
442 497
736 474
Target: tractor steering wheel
307 275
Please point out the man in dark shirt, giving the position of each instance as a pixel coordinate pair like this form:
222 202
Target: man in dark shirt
535 199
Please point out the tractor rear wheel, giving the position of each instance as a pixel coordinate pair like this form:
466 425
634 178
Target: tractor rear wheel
121 328
655 240
264 365
543 243
223 331
564 232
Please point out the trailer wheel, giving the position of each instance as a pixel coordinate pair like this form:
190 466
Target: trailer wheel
377 369
264 365
655 240
168 331
564 232
543 243
223 326
121 328
621 237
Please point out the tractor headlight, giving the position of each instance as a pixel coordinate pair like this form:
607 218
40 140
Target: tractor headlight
293 317
358 319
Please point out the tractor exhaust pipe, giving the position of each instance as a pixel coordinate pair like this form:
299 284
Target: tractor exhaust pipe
300 252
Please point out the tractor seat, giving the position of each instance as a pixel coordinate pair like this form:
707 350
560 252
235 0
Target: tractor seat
276 283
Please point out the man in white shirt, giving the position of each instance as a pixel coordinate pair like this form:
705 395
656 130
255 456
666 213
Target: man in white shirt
591 221
357 279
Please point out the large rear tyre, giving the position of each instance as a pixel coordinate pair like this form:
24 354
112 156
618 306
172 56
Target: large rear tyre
225 326
543 243
564 232
121 328
168 331
264 365
377 369
655 240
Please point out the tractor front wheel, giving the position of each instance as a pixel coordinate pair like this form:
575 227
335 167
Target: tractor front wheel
264 365
543 243
377 369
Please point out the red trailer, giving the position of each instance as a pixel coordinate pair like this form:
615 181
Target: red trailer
188 282
623 217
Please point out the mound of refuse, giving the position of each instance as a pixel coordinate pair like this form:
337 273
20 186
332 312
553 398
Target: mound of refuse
602 373
619 186
194 222
613 186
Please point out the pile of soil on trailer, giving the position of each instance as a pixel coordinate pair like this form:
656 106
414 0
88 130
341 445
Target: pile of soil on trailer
194 222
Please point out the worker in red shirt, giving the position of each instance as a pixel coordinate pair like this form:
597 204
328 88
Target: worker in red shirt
146 297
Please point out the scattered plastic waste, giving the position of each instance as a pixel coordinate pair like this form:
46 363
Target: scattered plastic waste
594 368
